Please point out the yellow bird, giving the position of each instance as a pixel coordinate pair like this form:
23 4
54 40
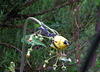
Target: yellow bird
59 42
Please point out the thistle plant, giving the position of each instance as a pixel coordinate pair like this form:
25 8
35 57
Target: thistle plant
36 39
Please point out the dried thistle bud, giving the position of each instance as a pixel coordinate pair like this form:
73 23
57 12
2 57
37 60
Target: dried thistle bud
44 66
28 54
30 39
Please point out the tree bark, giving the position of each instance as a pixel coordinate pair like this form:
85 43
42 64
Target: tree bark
97 29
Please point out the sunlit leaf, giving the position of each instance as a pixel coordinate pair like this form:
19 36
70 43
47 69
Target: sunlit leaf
11 69
37 25
33 42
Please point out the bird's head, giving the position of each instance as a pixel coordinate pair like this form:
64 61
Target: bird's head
66 42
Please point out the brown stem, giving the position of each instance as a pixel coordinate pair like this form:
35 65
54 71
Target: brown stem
59 52
29 3
32 15
18 8
73 30
15 26
78 35
82 45
10 46
78 48
77 24
82 5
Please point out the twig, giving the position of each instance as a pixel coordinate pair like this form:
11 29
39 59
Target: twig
90 21
73 30
29 63
15 26
97 69
18 8
72 51
32 15
75 18
78 35
77 24
10 46
66 16
59 65
82 5
29 3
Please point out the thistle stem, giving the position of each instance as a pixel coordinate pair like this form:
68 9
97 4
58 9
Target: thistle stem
52 57
24 33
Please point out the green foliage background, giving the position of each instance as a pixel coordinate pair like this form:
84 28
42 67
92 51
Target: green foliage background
59 19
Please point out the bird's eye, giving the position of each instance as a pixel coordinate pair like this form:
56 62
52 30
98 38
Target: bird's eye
65 42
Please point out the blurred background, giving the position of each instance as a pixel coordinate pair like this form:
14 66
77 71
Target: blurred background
76 20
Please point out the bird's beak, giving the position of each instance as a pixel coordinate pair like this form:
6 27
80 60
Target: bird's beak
67 44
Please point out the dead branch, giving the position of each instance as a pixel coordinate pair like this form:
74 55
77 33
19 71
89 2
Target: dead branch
58 7
10 46
29 3
18 8
16 26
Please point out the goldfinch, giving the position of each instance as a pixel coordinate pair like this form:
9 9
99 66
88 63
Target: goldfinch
59 42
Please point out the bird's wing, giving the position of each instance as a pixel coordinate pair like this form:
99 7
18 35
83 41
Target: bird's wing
46 32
